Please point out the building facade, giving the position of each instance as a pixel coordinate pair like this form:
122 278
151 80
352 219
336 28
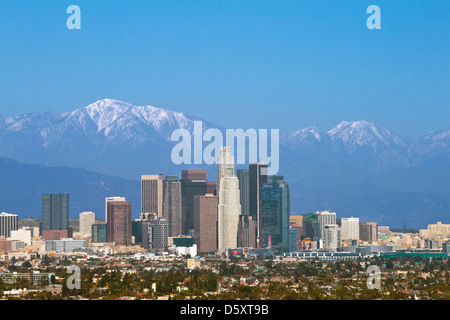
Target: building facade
119 222
368 231
275 214
350 228
172 205
55 211
99 232
8 222
205 222
87 219
152 194
155 233
246 231
193 183
257 177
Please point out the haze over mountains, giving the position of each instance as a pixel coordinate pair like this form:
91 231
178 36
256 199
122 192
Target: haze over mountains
356 168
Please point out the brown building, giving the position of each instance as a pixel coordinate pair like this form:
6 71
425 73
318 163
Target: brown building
55 234
118 228
205 222
211 187
246 232
193 183
172 205
368 231
5 245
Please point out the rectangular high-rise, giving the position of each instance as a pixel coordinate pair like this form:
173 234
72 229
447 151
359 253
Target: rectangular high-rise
246 232
55 211
8 222
193 183
275 213
332 236
99 232
350 228
87 219
243 177
172 205
119 222
152 194
111 199
205 222
368 231
155 233
257 177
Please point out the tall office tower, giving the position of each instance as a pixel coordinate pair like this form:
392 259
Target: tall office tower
368 231
55 212
311 226
152 194
246 232
225 165
228 213
205 222
193 183
293 239
172 205
350 228
332 237
8 222
111 199
275 213
229 207
325 218
257 175
211 187
99 231
242 175
87 219
155 233
119 222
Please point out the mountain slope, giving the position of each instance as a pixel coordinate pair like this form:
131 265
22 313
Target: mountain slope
22 185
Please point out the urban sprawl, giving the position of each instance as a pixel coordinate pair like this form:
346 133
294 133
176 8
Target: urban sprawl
233 238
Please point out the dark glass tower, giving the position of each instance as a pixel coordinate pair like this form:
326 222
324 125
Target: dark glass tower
55 212
193 183
243 177
172 205
257 177
275 212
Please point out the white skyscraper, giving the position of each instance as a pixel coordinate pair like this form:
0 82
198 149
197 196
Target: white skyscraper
87 219
152 194
350 228
110 199
332 236
325 218
225 166
229 201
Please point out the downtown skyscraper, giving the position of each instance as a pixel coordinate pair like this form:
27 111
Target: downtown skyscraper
152 194
257 178
229 207
55 211
275 213
193 183
119 222
172 205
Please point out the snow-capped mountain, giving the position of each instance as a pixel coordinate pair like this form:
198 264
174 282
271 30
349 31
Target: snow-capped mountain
351 135
356 134
353 163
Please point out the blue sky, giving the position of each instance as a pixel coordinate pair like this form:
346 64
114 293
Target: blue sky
238 63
